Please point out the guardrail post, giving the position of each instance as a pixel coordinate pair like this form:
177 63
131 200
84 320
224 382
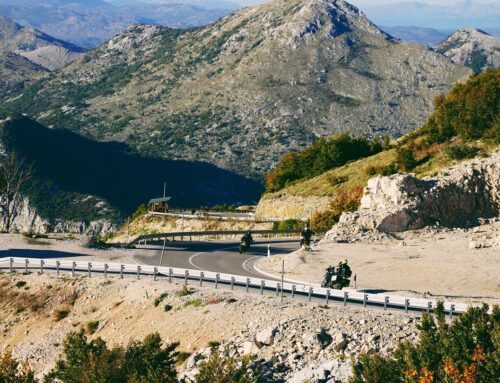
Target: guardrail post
310 293
90 269
293 291
217 276
42 262
407 303
386 302
278 289
327 297
105 270
138 272
452 310
73 267
186 273
122 267
365 300
26 262
262 284
11 264
202 274
346 295
57 267
429 307
248 284
170 272
232 283
155 273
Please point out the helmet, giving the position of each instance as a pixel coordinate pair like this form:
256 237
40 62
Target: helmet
248 232
345 262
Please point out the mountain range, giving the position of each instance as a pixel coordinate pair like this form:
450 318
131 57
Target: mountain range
27 55
243 91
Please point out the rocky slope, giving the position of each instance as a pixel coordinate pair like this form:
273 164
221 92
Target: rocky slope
36 46
241 92
460 197
295 340
473 48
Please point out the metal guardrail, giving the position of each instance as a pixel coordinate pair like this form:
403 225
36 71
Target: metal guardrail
180 234
198 276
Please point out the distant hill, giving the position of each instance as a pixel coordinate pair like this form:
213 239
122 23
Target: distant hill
473 48
89 23
70 168
241 92
426 36
36 46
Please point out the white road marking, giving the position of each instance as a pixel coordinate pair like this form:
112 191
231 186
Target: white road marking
249 270
192 257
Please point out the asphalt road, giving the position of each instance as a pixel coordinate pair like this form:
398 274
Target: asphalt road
216 256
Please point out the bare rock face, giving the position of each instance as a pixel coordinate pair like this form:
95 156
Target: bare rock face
27 220
468 193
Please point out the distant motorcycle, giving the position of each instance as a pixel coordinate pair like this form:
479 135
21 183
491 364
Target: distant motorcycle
305 243
244 246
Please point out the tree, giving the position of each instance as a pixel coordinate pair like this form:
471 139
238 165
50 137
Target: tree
15 172
11 371
224 369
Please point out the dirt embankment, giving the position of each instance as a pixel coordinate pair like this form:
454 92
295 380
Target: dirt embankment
37 312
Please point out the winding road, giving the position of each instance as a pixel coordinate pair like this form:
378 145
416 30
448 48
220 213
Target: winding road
216 256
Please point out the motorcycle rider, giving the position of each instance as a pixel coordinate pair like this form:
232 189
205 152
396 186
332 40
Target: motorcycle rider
306 235
247 239
344 272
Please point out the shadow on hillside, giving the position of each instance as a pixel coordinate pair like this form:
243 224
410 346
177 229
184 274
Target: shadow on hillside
110 171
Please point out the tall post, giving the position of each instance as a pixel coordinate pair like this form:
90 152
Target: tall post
282 278
164 189
163 250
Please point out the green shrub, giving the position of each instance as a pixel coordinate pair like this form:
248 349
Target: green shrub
92 361
20 284
60 314
11 371
184 292
167 308
182 356
289 224
159 299
194 302
465 351
344 201
470 110
321 156
223 369
460 151
406 158
91 327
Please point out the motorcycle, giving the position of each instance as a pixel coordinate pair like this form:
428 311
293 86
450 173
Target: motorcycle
333 280
305 243
244 246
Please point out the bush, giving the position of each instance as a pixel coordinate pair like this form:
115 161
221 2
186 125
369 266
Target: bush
465 351
61 313
321 156
460 151
406 158
344 201
159 299
289 224
222 369
184 292
470 110
11 371
20 284
91 327
89 362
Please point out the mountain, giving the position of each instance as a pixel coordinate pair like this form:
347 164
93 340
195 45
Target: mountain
241 92
72 173
445 16
36 46
426 36
473 48
89 23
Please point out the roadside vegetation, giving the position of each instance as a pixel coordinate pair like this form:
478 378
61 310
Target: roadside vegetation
464 125
467 350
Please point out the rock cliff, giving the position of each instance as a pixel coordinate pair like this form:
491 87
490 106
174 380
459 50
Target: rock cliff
461 196
27 220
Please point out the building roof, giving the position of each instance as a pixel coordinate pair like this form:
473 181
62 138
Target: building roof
160 200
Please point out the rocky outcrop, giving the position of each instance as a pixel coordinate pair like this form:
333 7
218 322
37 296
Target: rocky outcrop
461 197
310 350
27 220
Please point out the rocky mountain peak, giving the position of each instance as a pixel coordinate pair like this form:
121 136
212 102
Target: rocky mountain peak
472 47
